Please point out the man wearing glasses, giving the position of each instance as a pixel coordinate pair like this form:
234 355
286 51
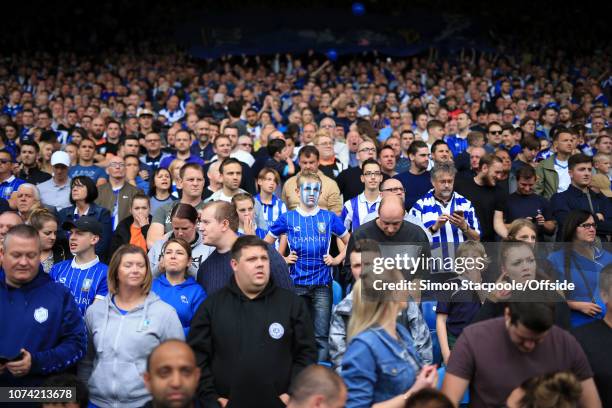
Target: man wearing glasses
349 180
8 182
494 137
356 209
116 195
395 124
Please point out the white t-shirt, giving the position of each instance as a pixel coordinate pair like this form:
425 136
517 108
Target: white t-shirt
564 177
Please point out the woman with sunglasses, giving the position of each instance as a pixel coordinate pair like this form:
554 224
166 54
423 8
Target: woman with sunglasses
580 261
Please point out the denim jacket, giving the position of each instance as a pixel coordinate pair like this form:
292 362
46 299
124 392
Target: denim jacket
411 318
377 367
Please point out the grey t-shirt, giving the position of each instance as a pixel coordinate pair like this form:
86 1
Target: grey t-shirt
162 215
485 355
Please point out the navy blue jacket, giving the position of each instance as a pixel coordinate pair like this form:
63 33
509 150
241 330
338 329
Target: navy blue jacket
42 318
574 199
103 216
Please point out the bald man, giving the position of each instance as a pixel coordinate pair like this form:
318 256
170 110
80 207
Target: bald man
389 227
172 375
317 387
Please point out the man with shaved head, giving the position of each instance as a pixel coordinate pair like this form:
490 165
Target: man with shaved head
317 386
172 375
389 227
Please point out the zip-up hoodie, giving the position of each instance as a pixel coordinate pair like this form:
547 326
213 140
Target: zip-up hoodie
199 253
185 297
118 348
249 350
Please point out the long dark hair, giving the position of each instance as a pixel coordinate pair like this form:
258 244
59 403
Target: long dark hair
152 188
571 223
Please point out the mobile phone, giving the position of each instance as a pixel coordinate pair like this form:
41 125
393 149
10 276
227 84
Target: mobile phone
5 359
459 212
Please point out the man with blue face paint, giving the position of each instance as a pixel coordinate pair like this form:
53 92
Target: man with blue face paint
309 232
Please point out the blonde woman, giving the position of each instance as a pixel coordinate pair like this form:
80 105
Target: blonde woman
123 329
381 368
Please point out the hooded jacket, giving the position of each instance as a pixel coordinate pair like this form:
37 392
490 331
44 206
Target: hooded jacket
43 318
185 297
118 348
199 253
249 350
123 235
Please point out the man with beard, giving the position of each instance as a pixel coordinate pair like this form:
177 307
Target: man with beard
202 148
483 191
30 172
416 180
449 216
172 376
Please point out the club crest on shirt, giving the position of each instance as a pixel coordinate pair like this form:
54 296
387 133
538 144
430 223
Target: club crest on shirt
321 227
276 330
41 315
184 299
86 285
297 228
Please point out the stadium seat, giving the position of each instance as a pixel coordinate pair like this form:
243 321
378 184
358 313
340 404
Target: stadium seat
429 314
466 397
337 292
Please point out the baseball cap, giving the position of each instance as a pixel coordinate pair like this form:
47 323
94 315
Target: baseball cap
86 224
60 157
145 112
602 183
218 98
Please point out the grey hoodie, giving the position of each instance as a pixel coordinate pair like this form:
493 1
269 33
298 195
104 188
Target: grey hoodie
118 348
199 253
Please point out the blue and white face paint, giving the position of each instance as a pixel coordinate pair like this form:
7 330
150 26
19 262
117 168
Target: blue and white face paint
309 193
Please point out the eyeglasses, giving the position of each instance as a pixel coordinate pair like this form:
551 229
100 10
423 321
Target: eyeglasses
495 132
588 225
5 161
152 140
394 190
368 150
245 144
325 144
395 117
116 165
372 173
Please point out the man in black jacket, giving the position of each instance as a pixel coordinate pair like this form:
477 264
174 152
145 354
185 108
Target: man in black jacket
251 337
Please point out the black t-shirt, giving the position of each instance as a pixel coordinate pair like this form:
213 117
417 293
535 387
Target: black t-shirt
349 183
34 176
486 200
596 339
523 206
108 148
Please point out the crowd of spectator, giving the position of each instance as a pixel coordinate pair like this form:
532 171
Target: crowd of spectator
177 233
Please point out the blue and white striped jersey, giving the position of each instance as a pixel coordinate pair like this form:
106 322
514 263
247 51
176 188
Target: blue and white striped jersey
427 210
269 213
86 282
356 209
9 185
309 235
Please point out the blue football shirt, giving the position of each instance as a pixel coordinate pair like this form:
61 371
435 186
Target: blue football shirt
309 235
86 282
